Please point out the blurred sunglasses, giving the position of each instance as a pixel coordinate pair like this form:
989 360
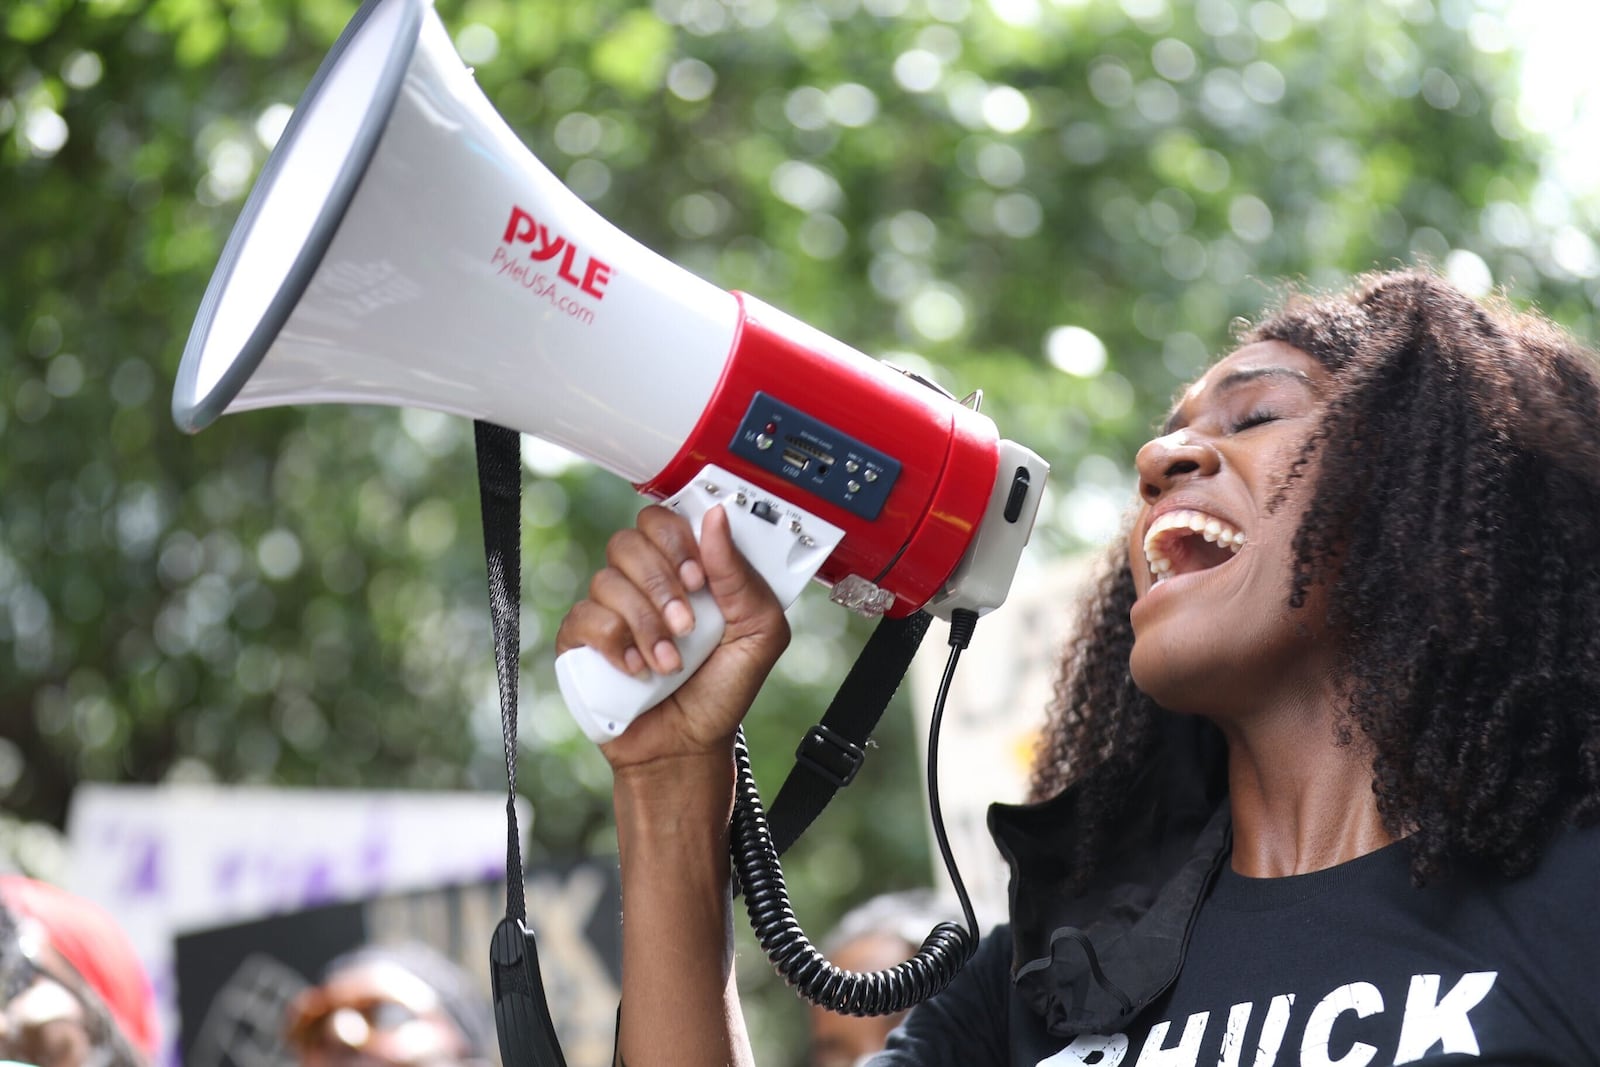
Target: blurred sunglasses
314 1011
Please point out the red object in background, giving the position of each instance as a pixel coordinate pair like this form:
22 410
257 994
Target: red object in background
95 946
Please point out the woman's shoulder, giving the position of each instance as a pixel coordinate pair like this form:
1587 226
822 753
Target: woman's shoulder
1571 860
1571 855
1553 902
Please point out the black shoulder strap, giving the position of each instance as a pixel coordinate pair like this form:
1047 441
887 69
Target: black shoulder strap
831 752
521 1013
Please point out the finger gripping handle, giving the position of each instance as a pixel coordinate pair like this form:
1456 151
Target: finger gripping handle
604 700
783 543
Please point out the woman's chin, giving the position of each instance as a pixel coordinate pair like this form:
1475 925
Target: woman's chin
1183 685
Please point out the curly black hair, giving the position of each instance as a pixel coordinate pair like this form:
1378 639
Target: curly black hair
1450 519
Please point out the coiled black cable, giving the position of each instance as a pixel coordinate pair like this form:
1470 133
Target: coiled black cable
759 876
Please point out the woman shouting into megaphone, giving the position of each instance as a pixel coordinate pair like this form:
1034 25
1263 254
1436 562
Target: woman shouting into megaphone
1323 776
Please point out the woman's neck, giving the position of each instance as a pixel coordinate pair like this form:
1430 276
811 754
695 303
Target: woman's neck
1301 800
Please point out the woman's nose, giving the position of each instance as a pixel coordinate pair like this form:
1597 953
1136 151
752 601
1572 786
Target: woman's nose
1165 461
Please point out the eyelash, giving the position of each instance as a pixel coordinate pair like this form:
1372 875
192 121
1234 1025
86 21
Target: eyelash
1255 418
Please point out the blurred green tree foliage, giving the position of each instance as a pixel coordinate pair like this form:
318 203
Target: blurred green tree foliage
1063 202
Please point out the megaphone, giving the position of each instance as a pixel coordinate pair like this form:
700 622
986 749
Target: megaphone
403 247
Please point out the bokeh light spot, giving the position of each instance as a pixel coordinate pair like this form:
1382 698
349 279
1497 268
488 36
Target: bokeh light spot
1467 270
477 43
918 70
82 70
937 312
44 131
278 554
691 79
1006 110
1075 351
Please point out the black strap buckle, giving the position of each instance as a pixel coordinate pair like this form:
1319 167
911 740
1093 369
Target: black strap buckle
830 754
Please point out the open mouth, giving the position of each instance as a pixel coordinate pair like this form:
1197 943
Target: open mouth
1186 541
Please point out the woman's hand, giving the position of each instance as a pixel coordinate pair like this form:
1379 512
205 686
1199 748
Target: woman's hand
639 602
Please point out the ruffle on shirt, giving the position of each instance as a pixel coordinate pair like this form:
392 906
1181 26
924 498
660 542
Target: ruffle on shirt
1089 963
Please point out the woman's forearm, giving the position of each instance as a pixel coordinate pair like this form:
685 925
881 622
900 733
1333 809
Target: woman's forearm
679 1003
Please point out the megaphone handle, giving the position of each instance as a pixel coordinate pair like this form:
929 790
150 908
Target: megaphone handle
605 701
785 544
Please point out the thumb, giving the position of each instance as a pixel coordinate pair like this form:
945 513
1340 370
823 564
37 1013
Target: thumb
740 591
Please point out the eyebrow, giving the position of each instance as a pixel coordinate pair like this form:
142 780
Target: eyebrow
1234 380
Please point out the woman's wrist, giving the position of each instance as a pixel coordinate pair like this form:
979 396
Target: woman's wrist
681 802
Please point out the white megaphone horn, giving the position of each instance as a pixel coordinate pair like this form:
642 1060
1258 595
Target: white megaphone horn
403 247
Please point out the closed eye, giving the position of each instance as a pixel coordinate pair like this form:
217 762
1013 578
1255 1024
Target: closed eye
1257 417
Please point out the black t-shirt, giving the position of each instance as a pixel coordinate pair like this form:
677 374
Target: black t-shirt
1347 967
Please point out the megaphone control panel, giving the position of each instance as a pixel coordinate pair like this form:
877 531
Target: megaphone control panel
806 452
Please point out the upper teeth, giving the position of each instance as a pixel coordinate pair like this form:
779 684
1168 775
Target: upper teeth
1208 526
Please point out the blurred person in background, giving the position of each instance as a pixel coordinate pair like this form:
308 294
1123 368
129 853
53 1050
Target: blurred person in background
402 1004
873 936
74 992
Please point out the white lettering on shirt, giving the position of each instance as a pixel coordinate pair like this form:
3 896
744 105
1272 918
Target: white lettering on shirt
1362 998
1090 1050
1430 1021
1233 1037
1187 1051
1273 1028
